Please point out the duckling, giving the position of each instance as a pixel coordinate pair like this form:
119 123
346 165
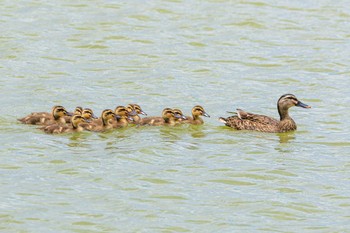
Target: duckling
44 118
104 123
75 126
124 118
179 116
197 111
78 111
135 107
88 114
250 121
168 118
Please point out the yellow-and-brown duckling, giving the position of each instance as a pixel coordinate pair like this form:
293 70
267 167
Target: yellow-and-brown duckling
123 117
105 122
168 118
179 116
135 115
75 126
250 121
197 112
88 114
43 118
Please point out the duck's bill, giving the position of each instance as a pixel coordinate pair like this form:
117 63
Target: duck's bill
206 114
70 114
130 118
179 116
143 113
94 116
117 117
301 104
132 113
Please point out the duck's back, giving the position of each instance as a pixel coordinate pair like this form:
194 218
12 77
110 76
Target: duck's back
152 121
36 118
250 121
56 129
192 121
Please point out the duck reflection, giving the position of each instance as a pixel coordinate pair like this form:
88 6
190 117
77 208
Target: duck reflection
286 137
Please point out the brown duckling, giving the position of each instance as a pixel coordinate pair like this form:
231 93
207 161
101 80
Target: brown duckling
123 117
44 118
250 121
135 107
168 118
75 126
197 112
104 123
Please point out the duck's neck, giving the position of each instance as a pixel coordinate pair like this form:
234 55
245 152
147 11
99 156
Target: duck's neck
286 122
123 121
105 122
197 118
74 125
169 121
60 120
283 112
136 118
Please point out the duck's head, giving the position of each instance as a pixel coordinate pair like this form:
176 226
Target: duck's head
199 111
136 108
286 101
76 120
123 113
59 111
107 115
167 114
78 110
178 114
88 114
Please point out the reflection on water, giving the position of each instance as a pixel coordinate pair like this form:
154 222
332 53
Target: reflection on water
286 137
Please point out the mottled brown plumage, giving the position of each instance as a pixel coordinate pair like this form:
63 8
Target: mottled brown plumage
44 118
250 121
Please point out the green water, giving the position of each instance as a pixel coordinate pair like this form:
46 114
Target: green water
220 54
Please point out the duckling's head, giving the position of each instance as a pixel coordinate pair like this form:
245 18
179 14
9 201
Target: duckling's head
199 111
59 111
123 112
88 114
286 101
137 109
76 120
78 110
178 114
107 115
168 114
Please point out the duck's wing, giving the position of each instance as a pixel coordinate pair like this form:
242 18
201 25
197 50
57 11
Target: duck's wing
151 121
249 121
257 118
